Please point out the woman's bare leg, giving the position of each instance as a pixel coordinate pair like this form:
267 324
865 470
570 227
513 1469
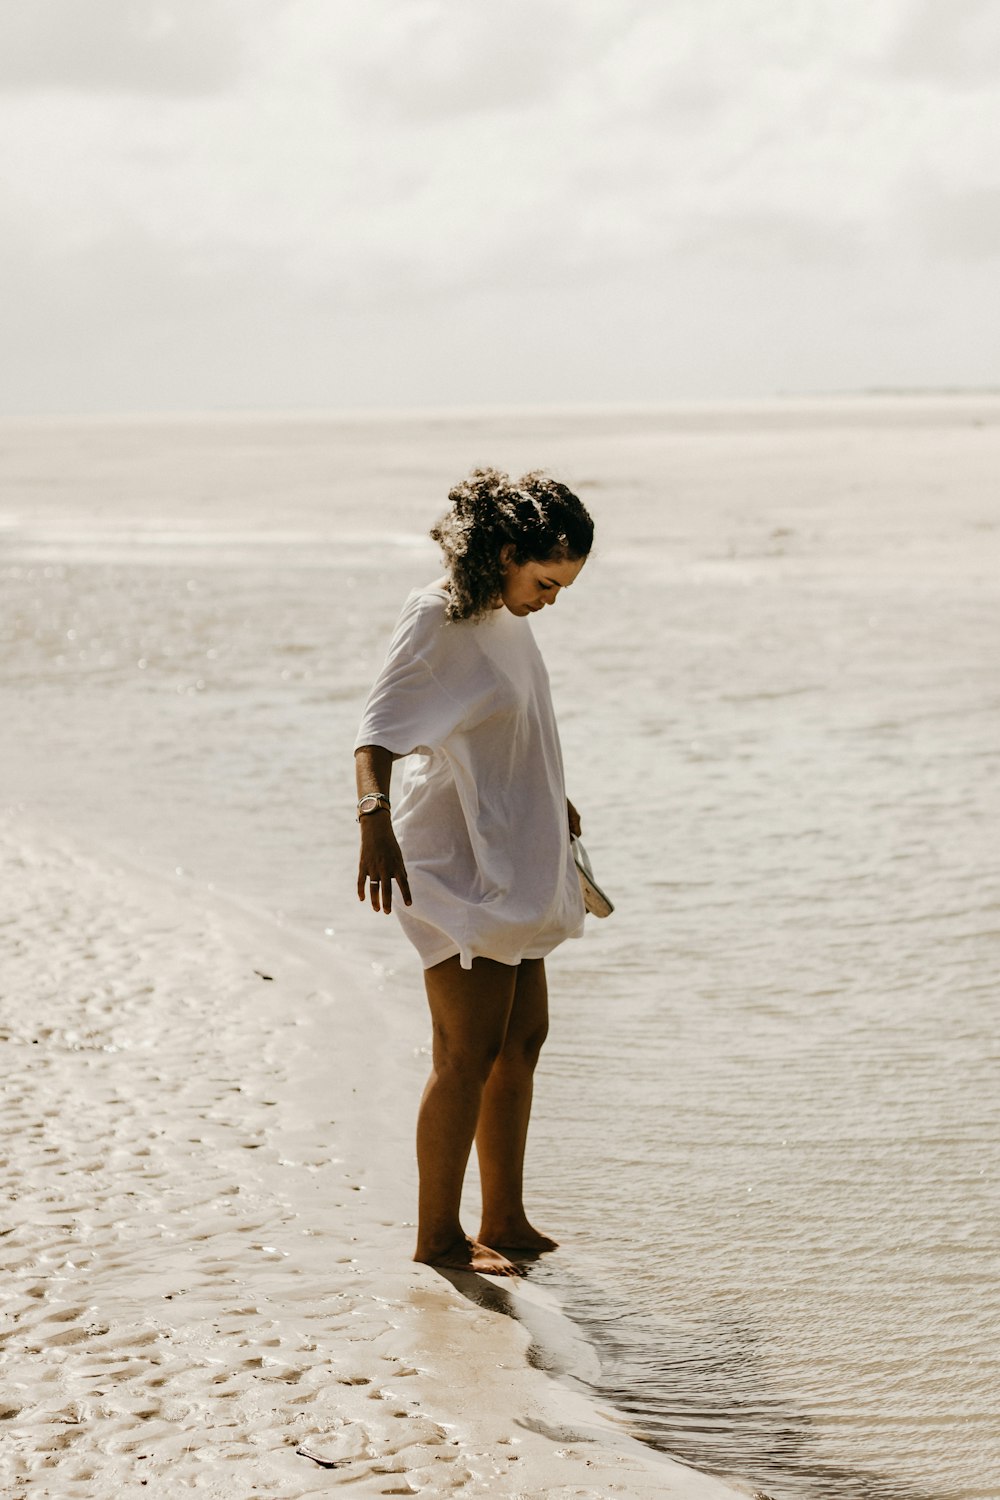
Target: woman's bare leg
504 1114
469 1010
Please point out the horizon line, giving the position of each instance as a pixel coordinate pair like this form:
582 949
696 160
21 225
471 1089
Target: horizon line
471 411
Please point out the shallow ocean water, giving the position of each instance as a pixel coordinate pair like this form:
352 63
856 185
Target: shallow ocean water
767 1117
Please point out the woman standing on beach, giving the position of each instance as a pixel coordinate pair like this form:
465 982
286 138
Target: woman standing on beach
479 842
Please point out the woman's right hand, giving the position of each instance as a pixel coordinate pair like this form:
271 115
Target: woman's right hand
381 862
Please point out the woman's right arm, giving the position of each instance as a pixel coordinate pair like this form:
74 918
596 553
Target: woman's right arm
381 859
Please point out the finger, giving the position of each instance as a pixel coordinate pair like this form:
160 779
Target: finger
374 892
387 896
362 877
404 886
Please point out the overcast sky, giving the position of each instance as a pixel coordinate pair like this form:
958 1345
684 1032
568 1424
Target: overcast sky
282 203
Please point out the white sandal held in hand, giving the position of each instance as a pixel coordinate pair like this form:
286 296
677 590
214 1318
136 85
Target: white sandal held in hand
594 898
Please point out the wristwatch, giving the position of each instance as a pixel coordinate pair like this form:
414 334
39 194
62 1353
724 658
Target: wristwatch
372 802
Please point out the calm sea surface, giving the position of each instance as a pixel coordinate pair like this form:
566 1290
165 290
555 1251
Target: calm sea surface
768 1116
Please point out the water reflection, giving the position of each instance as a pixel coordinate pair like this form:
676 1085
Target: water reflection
702 1393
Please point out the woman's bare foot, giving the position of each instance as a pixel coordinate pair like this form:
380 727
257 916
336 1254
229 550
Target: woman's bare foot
516 1234
468 1255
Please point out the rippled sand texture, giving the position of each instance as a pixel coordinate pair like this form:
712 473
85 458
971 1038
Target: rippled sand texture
767 1122
194 1295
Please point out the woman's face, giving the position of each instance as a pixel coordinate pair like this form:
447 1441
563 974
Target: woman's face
527 587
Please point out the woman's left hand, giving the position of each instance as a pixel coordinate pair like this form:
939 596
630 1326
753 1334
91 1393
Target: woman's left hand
574 819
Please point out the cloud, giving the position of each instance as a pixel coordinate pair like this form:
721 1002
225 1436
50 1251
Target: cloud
452 58
958 41
432 144
235 201
962 225
183 48
765 239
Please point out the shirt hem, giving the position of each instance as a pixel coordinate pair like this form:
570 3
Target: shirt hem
467 957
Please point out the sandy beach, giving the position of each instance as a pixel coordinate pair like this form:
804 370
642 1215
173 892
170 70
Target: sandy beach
766 1122
207 1283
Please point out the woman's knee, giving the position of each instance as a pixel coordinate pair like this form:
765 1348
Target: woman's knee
470 1057
523 1049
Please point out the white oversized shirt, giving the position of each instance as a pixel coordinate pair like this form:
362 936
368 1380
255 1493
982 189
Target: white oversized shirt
480 809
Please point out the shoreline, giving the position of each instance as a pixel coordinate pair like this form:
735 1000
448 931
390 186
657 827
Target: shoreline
814 712
208 1278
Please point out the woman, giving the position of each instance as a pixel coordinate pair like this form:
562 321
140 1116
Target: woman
478 843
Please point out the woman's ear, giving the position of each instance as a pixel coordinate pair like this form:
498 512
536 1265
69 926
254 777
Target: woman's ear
507 555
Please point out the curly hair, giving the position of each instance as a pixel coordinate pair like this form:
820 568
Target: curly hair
537 516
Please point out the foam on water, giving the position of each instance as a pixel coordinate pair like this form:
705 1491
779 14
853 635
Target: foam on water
767 1119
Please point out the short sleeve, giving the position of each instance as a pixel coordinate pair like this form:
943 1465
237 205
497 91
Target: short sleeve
410 708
